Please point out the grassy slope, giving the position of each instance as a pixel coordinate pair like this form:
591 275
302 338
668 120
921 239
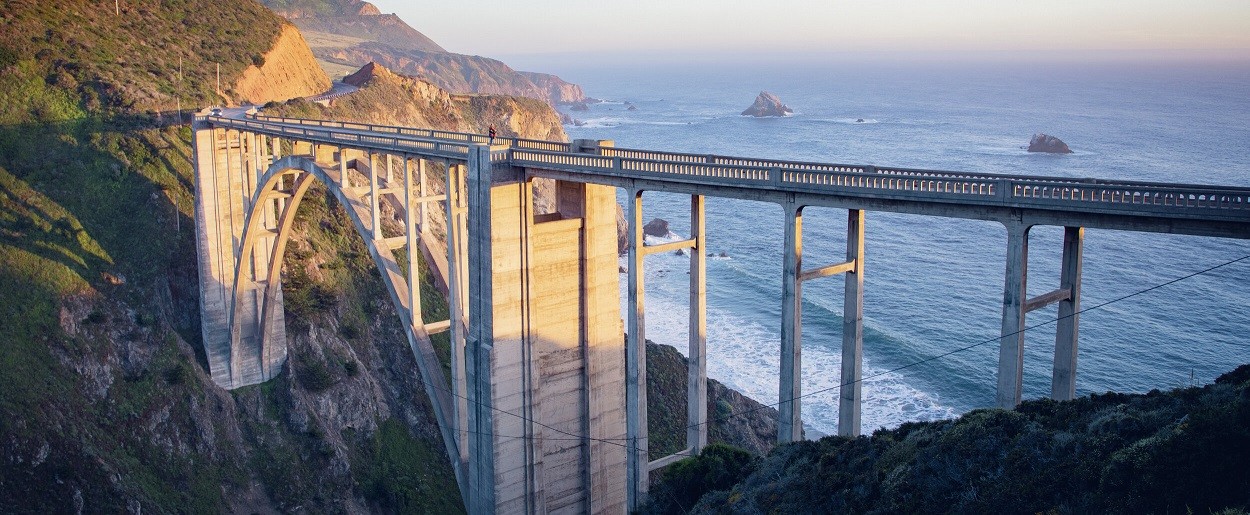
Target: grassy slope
105 405
130 61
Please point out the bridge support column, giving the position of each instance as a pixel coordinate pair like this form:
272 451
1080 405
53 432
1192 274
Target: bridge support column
375 210
457 292
636 461
696 384
850 396
481 337
1063 379
789 412
1011 344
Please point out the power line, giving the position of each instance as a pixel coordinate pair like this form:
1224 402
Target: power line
616 441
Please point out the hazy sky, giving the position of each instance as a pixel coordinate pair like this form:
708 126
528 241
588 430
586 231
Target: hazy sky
501 29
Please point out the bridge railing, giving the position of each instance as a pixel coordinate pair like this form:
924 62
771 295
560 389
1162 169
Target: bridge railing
1175 200
555 146
398 143
908 184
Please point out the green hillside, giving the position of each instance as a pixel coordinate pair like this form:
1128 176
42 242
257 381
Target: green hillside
62 59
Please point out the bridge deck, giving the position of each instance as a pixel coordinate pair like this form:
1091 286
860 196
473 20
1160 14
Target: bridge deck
1206 210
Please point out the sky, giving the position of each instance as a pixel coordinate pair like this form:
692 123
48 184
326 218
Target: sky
1214 28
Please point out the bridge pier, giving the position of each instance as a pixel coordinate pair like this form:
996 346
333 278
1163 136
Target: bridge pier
1016 305
1063 377
546 407
638 463
789 402
790 394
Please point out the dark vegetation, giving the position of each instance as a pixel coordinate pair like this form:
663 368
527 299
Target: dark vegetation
1183 451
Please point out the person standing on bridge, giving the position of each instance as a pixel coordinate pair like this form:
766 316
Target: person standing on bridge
492 134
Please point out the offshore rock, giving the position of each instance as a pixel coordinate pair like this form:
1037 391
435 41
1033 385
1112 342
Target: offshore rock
1049 144
767 104
657 227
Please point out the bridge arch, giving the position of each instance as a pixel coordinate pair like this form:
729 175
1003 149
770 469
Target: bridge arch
272 191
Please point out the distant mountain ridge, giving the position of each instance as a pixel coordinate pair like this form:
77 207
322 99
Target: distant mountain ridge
352 33
387 29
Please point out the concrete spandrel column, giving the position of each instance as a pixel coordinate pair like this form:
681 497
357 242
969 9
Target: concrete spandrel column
696 384
636 462
421 193
1063 379
414 266
456 290
375 210
1011 344
850 398
789 412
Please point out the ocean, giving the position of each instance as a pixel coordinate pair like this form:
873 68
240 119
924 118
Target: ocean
934 285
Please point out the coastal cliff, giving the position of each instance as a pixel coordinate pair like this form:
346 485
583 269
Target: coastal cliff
386 97
287 70
349 34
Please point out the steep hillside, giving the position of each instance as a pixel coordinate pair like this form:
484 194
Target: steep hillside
389 98
63 58
386 29
1183 451
733 418
350 34
288 70
309 8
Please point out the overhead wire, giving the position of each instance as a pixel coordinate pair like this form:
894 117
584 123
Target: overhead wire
617 441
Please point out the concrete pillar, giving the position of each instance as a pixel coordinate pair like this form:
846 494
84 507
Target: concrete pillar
456 289
789 412
850 397
636 460
1011 344
342 167
1063 380
414 266
696 387
480 339
421 193
375 211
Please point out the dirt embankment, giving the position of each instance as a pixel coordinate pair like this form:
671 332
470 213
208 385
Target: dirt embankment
288 70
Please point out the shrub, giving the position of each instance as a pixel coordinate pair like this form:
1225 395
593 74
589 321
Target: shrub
718 467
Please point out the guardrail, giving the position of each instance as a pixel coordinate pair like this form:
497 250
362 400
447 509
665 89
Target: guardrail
536 144
1127 197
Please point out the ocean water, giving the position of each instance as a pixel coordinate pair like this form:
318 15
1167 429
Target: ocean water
933 285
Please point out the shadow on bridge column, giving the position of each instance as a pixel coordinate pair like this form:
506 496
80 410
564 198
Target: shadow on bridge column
544 358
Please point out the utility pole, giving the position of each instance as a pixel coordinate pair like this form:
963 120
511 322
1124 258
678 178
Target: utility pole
179 90
117 7
218 82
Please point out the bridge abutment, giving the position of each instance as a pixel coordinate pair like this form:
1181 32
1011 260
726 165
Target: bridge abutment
228 164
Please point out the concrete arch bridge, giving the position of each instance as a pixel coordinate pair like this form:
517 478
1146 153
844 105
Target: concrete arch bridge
546 409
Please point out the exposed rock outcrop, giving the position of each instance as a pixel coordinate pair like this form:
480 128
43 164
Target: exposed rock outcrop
657 227
288 70
733 418
1049 144
767 104
559 91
